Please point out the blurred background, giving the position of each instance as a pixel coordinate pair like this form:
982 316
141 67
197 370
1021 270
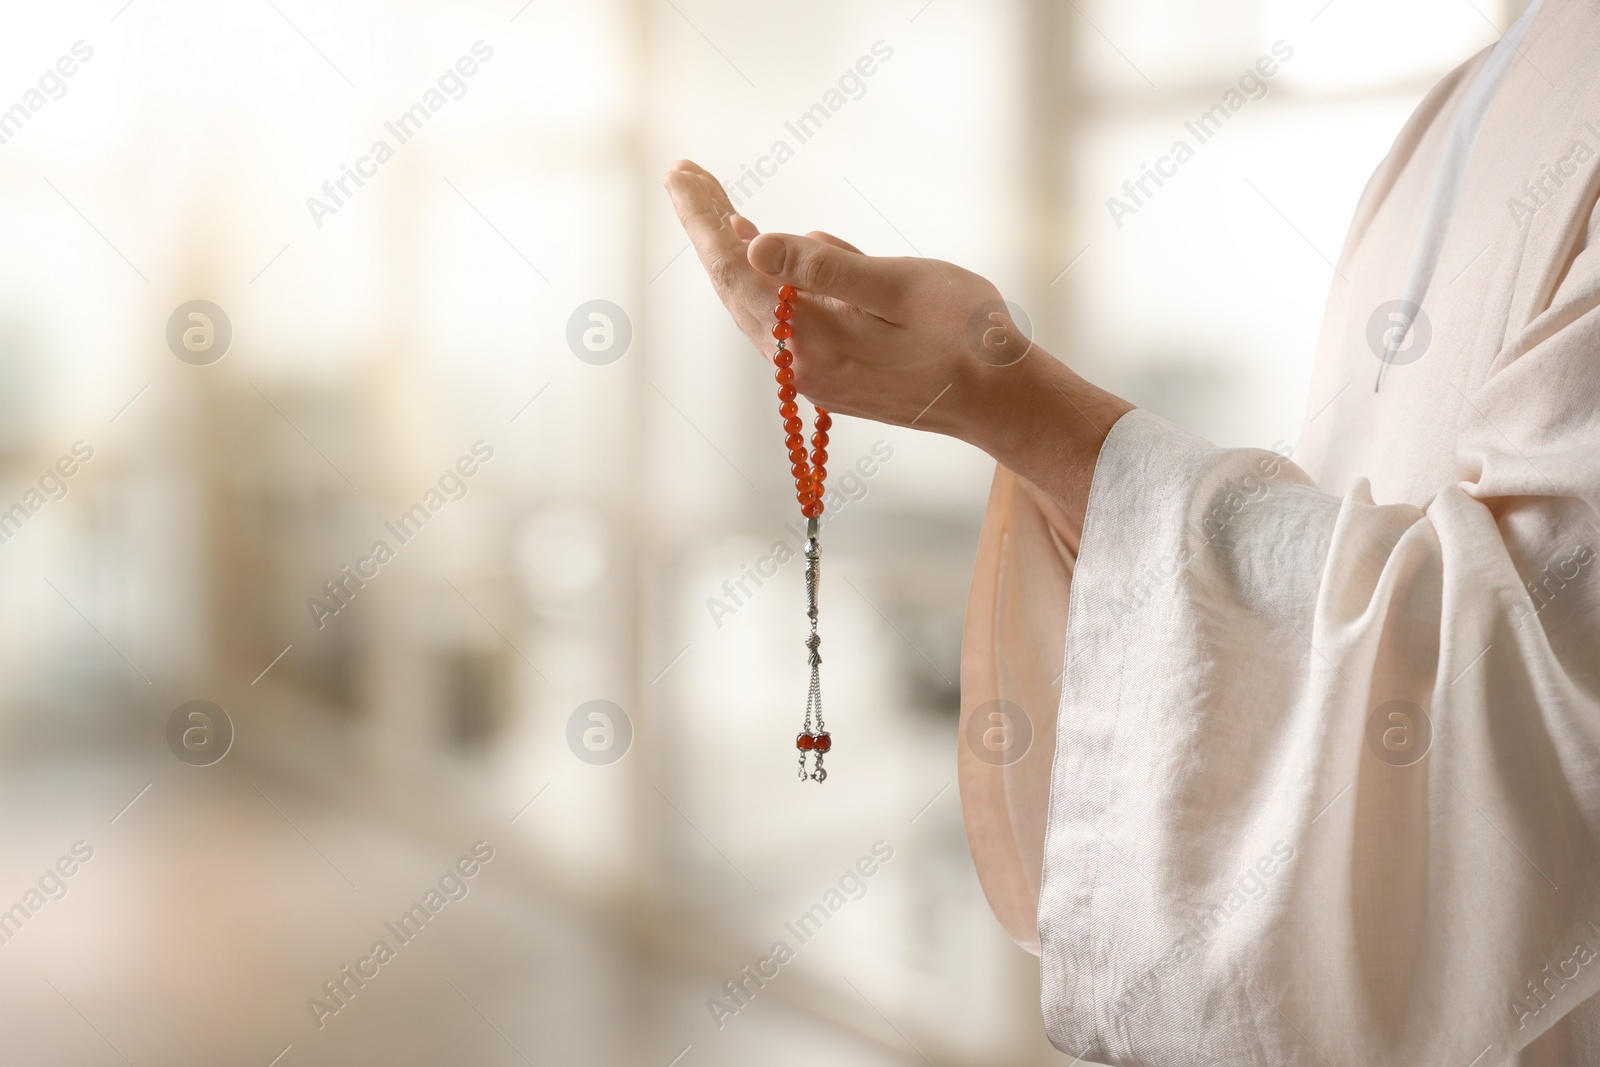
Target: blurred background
490 349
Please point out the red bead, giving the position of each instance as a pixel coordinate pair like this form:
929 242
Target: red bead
785 375
800 470
793 425
789 409
819 439
784 311
822 742
783 358
787 392
819 474
782 331
811 510
819 456
797 455
794 441
786 292
805 742
824 421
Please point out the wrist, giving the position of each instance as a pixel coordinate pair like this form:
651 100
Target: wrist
1042 421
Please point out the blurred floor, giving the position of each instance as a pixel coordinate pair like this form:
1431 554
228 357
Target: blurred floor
218 903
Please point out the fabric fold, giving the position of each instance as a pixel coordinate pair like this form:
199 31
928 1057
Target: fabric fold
1314 774
1288 817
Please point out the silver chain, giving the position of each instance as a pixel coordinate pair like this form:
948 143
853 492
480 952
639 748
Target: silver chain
813 644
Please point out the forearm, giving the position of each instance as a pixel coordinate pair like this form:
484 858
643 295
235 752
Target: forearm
1042 421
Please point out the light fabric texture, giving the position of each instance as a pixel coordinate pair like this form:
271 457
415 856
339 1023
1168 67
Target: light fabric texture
1451 173
1318 779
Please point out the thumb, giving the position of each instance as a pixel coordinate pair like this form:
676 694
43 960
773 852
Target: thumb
837 242
877 284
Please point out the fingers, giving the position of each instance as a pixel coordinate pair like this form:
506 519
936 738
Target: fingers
720 248
742 227
698 211
876 284
828 238
718 194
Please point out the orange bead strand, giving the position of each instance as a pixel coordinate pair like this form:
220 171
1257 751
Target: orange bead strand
809 470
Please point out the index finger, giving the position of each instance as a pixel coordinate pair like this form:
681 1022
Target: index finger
721 251
719 195
876 284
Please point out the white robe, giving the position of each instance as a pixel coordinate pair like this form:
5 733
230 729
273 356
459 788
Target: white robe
1247 858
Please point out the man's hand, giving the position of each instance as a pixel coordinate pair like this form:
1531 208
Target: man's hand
876 337
903 340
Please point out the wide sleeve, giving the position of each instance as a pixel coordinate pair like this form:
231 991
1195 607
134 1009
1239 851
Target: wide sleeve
1326 773
1010 688
1016 622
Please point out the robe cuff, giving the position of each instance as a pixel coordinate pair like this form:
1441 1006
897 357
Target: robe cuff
1159 499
